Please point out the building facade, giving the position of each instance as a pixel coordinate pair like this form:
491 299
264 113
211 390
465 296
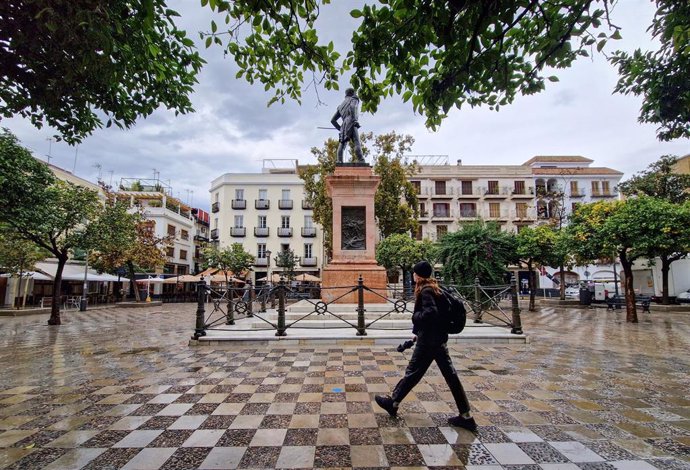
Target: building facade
267 213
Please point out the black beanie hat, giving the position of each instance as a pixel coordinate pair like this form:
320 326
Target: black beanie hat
423 269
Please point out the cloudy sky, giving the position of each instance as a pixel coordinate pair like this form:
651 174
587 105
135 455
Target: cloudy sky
233 130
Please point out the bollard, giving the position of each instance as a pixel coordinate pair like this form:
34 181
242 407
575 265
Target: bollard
281 308
263 294
200 329
361 328
517 323
477 301
230 314
252 296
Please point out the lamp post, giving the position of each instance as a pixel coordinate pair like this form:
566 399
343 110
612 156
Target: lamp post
268 277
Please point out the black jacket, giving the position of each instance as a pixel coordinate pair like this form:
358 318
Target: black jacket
426 319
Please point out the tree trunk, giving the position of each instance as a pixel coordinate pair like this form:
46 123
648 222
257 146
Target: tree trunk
15 294
630 308
57 291
532 290
665 267
133 281
561 277
19 292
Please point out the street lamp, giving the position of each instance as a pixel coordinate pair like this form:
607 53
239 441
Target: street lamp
85 287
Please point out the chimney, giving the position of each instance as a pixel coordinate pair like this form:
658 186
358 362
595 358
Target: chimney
459 162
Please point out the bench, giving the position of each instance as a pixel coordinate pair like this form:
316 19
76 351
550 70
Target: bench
619 303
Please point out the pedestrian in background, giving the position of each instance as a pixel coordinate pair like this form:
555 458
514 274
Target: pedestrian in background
431 344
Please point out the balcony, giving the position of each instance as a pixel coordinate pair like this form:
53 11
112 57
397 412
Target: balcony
577 193
260 261
214 234
308 262
200 238
498 216
284 231
215 207
238 232
604 194
307 206
239 204
470 193
443 194
497 193
262 204
309 232
423 215
261 231
468 214
285 204
527 193
441 217
522 216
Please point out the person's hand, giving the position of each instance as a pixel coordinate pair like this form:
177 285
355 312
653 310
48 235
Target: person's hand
414 338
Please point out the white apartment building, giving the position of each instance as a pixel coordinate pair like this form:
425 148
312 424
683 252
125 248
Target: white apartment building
267 212
169 217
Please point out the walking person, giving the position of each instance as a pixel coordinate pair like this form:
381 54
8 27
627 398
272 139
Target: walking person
431 345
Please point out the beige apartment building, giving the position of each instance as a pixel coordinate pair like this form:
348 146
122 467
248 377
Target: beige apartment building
543 189
267 212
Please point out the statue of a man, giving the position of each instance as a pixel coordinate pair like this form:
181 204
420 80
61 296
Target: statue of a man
348 111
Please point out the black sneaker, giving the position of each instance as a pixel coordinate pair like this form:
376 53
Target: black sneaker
465 423
387 404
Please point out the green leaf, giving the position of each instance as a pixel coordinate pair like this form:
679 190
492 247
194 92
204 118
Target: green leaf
356 13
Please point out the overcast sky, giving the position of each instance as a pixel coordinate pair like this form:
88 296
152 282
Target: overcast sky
233 130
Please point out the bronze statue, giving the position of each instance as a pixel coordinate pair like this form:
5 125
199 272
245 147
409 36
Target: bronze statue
348 111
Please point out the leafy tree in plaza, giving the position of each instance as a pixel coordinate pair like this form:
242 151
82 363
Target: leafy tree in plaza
73 64
400 251
287 260
662 77
395 202
17 256
119 237
444 54
659 180
628 229
478 250
534 246
232 260
561 256
38 207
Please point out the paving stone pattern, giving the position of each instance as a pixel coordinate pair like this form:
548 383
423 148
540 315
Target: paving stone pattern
120 388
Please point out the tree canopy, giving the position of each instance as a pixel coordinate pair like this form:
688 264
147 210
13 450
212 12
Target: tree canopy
535 245
659 180
73 65
232 259
440 55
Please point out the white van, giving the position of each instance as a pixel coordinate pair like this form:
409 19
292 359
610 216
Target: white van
606 289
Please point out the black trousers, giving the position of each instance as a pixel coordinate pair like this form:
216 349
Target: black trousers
422 357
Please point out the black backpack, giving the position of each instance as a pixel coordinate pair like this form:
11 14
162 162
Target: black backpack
455 314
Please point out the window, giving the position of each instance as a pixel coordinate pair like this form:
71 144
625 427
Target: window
519 187
263 194
285 221
468 209
493 187
521 210
440 187
285 195
262 221
422 210
184 235
261 250
573 188
308 221
441 230
605 187
170 252
419 234
494 210
417 186
171 230
595 187
215 223
441 210
308 250
183 254
466 187
239 221
284 247
239 194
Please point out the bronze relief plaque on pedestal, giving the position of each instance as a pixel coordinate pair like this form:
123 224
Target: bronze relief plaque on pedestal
353 228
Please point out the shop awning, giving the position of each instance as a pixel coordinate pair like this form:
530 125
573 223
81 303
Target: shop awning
73 272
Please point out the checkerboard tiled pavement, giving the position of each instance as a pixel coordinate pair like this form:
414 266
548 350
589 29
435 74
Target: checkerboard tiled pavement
121 389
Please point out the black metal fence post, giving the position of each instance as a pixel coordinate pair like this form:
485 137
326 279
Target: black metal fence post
263 293
281 308
200 329
230 314
252 296
517 323
361 327
477 301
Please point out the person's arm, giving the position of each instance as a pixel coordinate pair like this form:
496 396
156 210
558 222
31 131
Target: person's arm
334 120
355 113
428 312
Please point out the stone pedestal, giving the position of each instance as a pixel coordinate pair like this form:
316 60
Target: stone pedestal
352 190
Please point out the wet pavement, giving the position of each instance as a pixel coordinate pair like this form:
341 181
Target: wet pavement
121 388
